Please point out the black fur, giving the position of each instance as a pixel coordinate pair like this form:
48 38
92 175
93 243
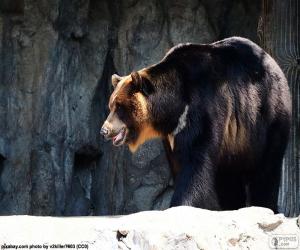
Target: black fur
231 79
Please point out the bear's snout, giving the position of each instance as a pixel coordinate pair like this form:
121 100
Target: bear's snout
106 130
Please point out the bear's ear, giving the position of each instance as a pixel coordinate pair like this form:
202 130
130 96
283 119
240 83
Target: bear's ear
115 80
142 84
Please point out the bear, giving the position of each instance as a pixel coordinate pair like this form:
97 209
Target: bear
224 112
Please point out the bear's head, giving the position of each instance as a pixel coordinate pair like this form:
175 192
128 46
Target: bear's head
129 120
144 105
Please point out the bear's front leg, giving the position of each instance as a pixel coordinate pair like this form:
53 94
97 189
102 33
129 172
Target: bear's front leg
195 185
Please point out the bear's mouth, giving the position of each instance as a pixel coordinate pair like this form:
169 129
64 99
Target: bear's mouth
119 139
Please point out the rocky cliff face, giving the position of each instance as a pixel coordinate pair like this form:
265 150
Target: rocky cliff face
56 61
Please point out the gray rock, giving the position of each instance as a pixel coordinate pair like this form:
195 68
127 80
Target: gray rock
147 152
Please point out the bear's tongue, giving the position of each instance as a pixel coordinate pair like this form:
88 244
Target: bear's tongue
119 137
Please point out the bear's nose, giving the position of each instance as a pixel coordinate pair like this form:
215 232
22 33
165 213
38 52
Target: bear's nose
104 131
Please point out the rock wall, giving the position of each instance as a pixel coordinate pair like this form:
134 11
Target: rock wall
56 61
281 40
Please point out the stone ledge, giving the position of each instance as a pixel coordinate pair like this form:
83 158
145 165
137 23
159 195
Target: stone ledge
174 228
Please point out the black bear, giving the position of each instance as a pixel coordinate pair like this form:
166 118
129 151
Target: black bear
224 109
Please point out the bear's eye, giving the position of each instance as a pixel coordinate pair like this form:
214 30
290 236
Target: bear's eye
120 110
118 107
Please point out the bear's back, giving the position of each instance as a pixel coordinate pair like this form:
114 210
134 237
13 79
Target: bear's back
229 59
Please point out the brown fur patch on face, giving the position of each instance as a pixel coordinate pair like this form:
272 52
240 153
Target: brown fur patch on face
141 107
143 122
